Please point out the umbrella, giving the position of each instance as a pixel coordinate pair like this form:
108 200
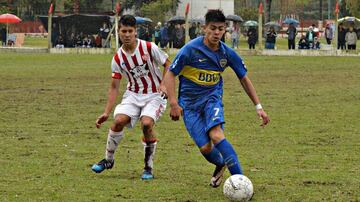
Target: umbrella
275 25
250 23
142 20
9 18
291 21
177 20
350 22
199 19
235 18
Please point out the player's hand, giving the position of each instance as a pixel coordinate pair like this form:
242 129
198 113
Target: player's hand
175 112
162 91
101 119
264 117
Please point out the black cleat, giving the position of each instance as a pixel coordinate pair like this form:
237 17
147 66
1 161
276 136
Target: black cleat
217 176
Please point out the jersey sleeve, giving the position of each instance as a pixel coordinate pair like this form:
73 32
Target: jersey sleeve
237 64
160 56
181 59
115 67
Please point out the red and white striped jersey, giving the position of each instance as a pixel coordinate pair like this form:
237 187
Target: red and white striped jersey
141 68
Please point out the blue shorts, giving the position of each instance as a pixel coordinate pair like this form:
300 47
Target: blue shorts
199 121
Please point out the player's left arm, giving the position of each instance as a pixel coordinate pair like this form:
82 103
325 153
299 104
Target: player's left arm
237 64
251 92
162 88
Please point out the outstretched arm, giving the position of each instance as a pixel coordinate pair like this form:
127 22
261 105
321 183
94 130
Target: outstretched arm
169 82
251 92
113 93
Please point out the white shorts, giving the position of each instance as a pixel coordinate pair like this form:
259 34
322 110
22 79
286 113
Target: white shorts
137 105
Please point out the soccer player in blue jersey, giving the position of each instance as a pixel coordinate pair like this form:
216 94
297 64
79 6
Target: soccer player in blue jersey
199 65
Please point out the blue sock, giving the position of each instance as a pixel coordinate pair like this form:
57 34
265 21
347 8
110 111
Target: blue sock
214 157
230 157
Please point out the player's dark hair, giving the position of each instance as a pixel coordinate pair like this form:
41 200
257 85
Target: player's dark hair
214 15
128 20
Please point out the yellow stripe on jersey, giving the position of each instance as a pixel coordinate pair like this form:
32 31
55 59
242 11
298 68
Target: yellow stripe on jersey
201 76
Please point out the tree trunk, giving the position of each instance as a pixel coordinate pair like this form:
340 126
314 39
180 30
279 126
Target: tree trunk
321 10
76 6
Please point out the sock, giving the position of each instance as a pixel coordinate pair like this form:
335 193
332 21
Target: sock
149 152
113 141
214 157
230 157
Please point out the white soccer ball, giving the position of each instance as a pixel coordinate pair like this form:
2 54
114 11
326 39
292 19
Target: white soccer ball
238 188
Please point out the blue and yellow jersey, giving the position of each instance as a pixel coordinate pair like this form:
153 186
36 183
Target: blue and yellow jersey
199 70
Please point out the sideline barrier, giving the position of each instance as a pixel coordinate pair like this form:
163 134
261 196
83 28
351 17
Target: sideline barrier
242 52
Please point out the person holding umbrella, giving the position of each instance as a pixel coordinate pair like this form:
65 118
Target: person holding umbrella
3 36
270 38
252 37
291 32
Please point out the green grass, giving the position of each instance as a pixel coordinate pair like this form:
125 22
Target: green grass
309 152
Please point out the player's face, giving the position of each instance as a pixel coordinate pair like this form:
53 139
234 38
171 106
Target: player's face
127 34
214 31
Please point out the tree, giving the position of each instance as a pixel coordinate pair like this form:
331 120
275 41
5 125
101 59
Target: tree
268 10
353 7
166 7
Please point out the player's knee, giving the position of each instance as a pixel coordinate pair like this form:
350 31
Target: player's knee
206 148
216 134
119 123
147 125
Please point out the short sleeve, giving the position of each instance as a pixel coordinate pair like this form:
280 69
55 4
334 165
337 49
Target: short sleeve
237 64
115 67
181 59
160 56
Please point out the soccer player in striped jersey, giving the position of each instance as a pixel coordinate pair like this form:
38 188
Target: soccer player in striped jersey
199 65
139 62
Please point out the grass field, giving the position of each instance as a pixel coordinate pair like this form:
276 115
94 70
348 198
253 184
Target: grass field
309 152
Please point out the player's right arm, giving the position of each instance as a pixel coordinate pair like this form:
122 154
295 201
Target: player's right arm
112 95
169 82
113 90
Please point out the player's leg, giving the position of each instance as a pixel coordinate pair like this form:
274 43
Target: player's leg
214 117
125 114
226 149
150 113
116 133
149 141
195 125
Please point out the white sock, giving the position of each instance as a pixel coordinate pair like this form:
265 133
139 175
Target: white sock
149 152
113 141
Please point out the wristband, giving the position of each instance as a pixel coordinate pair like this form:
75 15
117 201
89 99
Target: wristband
258 106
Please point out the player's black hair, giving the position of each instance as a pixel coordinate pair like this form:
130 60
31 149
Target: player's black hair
128 20
214 15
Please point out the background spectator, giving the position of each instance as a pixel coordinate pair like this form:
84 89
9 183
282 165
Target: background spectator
328 34
235 35
157 34
341 37
291 32
270 38
252 37
104 32
303 43
351 39
192 31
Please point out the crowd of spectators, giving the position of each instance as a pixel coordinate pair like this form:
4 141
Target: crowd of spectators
172 35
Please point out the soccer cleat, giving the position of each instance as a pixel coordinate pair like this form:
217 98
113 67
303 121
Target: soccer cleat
217 176
147 175
102 165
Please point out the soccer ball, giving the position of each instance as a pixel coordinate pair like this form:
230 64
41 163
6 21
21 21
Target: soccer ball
238 188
